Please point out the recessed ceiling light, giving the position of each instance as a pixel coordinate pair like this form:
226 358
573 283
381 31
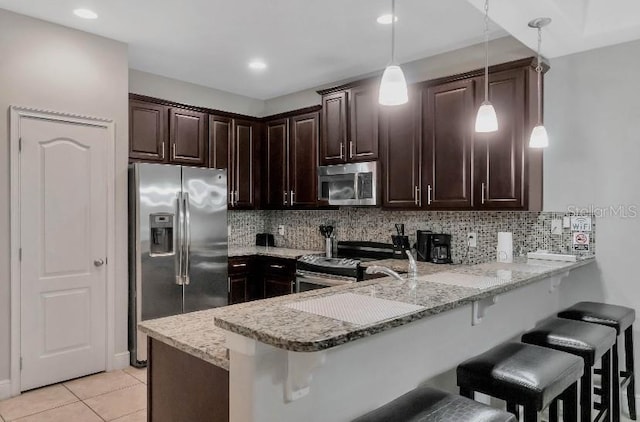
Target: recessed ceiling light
85 14
257 65
385 19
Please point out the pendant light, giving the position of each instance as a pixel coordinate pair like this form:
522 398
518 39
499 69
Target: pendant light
393 86
486 119
539 137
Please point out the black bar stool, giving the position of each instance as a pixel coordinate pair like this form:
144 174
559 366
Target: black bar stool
523 374
425 404
592 343
622 319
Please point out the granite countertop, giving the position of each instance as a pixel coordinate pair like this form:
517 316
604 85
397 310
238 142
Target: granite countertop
402 266
272 322
271 251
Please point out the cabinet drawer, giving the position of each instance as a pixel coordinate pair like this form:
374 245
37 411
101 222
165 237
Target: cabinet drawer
239 265
285 268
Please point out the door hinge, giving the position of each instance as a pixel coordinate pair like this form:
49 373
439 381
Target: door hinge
19 144
21 363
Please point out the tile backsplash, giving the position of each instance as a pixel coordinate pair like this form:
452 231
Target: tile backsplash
531 230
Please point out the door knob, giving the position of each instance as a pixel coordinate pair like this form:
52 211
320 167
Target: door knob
98 262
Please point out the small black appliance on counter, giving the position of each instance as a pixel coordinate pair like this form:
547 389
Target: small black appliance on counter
433 247
265 239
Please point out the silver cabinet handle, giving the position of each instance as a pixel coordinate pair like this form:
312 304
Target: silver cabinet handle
173 151
483 188
276 266
239 265
284 200
179 240
237 196
98 262
429 189
228 284
350 149
291 195
187 236
341 150
162 150
417 195
231 198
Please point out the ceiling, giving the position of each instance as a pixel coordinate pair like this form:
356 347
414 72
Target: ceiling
578 25
306 43
309 43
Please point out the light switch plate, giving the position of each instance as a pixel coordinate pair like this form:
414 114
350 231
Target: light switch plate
566 222
556 227
281 230
472 240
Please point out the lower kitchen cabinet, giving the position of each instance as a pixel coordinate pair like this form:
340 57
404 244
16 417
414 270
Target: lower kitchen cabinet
240 277
259 277
279 276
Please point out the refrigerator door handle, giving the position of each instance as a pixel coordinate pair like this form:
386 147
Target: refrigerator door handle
179 240
186 209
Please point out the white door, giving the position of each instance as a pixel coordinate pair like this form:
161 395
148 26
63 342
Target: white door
63 232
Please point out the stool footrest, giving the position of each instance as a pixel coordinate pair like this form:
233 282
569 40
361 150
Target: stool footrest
601 415
597 371
599 406
598 391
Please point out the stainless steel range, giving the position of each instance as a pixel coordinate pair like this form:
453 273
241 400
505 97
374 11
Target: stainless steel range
316 272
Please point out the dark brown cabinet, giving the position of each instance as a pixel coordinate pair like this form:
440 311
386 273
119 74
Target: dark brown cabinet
188 136
448 128
240 279
244 153
291 161
279 276
254 277
349 126
400 144
220 139
147 131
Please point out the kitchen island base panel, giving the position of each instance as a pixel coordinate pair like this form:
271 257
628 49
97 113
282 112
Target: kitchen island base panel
184 388
362 375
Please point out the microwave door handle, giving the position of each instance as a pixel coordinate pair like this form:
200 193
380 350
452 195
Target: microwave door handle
179 225
187 237
356 188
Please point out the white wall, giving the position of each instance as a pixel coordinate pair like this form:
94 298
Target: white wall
458 61
48 66
187 93
593 118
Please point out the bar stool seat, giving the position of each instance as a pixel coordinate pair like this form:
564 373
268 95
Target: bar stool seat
592 343
523 374
426 404
618 317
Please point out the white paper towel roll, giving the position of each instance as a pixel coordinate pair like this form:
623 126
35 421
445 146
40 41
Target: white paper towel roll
505 247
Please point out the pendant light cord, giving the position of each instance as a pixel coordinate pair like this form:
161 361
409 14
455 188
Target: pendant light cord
539 72
393 31
486 51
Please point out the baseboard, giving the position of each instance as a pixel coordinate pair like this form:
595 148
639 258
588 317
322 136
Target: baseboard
5 389
121 360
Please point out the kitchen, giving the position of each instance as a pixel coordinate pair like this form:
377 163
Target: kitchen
271 146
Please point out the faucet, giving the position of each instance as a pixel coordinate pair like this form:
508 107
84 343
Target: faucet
375 269
413 266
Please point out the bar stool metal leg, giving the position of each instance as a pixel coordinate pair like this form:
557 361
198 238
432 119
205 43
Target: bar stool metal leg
465 392
585 395
513 409
605 388
615 387
570 404
553 411
630 371
530 413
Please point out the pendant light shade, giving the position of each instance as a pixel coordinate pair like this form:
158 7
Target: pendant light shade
539 137
393 86
486 120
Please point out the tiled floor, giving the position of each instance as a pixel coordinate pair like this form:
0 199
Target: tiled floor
119 396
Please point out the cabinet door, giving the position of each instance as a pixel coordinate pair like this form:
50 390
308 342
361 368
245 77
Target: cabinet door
400 153
448 125
363 124
334 129
220 138
188 137
244 149
275 286
499 156
147 131
238 288
276 188
303 160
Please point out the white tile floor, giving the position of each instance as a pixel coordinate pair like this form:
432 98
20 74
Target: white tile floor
119 396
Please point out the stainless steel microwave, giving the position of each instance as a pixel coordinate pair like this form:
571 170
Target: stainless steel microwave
353 184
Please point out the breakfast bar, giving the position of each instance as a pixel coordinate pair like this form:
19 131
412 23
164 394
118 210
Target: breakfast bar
336 353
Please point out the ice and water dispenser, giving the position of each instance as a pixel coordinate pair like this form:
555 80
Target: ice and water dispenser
161 236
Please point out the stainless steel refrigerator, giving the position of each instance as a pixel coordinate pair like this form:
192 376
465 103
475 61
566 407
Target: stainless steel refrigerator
177 244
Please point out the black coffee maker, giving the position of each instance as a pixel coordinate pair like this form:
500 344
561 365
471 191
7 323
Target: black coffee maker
400 243
433 247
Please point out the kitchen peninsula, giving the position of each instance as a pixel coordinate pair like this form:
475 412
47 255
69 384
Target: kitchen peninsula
288 362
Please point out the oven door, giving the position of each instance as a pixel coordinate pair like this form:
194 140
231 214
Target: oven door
306 281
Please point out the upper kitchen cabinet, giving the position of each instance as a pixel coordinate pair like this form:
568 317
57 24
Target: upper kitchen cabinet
291 161
448 128
245 165
188 136
220 140
147 131
507 173
400 151
349 125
